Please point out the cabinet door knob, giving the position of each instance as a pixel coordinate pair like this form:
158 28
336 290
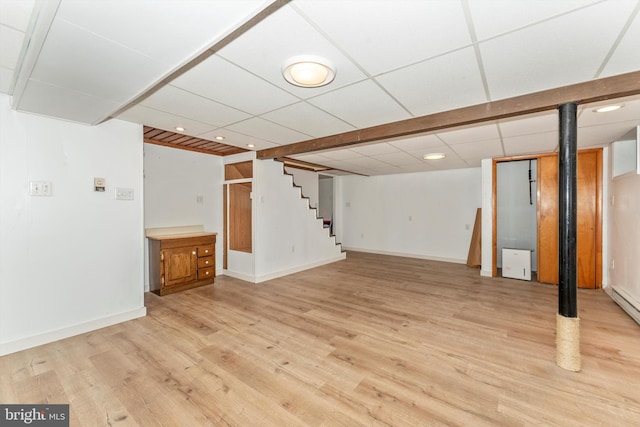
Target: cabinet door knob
206 251
207 273
206 262
193 253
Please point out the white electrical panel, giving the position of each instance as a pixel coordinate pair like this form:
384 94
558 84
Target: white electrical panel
516 263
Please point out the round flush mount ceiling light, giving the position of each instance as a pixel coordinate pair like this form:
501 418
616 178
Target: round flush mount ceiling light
250 145
434 156
220 138
308 71
608 108
179 128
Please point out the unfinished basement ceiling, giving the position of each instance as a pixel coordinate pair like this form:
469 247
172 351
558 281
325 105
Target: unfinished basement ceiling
214 68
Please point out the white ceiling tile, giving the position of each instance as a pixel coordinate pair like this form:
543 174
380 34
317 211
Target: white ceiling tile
494 17
6 77
375 149
630 111
283 35
229 84
426 29
54 101
415 143
16 13
554 53
10 46
342 154
448 152
625 58
366 162
272 132
185 104
79 60
531 144
163 120
363 104
431 90
311 158
237 139
308 119
479 149
530 124
604 134
469 133
168 31
398 159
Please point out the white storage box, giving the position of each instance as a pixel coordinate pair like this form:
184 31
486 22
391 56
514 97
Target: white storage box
516 263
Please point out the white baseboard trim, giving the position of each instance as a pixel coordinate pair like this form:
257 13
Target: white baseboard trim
486 273
407 255
51 336
628 303
281 273
286 272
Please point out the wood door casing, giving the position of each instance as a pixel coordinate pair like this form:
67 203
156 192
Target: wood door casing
547 186
588 219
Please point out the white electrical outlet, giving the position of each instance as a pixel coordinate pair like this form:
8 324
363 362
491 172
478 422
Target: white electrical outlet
124 193
40 188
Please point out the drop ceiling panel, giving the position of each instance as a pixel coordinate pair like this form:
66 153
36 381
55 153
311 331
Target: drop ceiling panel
416 143
530 124
218 79
530 144
309 120
269 131
165 31
479 149
362 105
554 53
54 101
16 13
376 149
238 140
6 77
181 103
430 90
604 134
625 58
399 158
10 46
283 35
495 17
468 134
79 60
344 154
427 29
630 111
162 120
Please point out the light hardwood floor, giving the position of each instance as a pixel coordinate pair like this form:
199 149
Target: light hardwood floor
373 340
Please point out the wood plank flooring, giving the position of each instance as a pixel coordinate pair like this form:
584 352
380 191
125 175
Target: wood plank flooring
370 341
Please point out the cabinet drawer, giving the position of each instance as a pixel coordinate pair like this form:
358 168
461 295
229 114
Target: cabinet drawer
205 273
205 262
205 250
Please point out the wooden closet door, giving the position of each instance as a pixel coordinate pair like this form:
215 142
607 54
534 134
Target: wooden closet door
587 219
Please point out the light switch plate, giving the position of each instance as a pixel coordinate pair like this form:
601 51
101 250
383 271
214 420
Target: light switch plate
124 193
40 188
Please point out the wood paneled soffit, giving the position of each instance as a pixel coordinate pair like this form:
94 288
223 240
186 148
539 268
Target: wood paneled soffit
592 91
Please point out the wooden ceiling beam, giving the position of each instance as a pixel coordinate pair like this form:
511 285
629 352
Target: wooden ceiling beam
592 91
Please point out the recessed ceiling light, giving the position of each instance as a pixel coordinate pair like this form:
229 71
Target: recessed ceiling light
250 145
608 108
434 156
308 71
220 138
179 128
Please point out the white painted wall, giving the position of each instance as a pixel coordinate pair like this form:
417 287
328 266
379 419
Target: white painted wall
486 241
325 198
516 217
308 181
72 262
426 215
624 237
287 236
173 181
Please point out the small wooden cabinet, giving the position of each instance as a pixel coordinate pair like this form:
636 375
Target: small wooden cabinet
182 261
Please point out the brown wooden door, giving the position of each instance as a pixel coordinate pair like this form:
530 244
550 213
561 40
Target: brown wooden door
588 174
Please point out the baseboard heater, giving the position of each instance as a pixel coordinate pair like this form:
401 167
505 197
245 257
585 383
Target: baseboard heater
625 303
